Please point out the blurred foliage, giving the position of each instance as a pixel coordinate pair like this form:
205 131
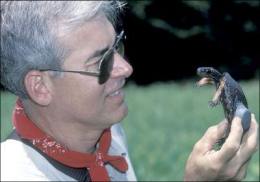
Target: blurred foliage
175 37
193 15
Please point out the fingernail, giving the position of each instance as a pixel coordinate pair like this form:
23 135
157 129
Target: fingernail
237 120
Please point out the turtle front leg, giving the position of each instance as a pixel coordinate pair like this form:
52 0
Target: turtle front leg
216 98
204 81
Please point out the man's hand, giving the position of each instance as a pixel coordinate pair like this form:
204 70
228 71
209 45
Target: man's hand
228 163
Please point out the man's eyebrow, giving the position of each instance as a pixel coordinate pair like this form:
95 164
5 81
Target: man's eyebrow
101 51
97 53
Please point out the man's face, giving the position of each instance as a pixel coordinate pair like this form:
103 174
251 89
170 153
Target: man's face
80 98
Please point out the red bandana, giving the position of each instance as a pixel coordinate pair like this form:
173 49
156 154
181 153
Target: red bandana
95 163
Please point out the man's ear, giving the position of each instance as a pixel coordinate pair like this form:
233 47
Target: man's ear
37 87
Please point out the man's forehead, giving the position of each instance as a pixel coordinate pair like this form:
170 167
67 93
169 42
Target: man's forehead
87 39
96 31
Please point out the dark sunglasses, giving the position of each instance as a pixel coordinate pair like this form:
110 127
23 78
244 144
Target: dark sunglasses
105 64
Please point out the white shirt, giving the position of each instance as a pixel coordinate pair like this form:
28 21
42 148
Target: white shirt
20 162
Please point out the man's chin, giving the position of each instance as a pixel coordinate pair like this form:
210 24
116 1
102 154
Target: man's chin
122 113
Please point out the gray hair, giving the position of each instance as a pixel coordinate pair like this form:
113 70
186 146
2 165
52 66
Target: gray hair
27 34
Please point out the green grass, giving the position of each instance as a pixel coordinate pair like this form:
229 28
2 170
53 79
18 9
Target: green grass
7 104
164 122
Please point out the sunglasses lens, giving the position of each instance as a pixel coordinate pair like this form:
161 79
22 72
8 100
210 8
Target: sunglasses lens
108 60
121 49
106 67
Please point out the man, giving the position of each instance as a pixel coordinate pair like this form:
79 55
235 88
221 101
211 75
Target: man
64 61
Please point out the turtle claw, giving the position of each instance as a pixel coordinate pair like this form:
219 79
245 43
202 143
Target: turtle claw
204 81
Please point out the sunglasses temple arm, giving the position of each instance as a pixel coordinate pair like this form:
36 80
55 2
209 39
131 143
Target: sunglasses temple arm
70 71
83 72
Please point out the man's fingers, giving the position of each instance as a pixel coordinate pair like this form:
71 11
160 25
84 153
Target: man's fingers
211 136
232 143
241 174
222 128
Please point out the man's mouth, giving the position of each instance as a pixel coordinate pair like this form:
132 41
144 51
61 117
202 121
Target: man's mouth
115 93
118 89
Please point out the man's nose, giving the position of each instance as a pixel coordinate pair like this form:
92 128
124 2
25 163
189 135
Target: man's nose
121 67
